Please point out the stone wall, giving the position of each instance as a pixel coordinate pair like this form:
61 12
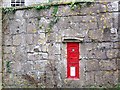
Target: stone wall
34 54
0 48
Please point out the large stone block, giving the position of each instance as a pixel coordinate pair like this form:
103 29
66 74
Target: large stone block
104 20
109 78
98 78
83 51
17 26
19 14
105 45
108 64
95 34
40 65
113 6
32 25
29 39
9 50
31 56
45 48
66 11
92 26
16 66
90 78
112 53
7 40
31 14
106 34
17 39
92 65
39 39
97 54
115 19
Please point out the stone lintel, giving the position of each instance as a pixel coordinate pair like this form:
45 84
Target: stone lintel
72 39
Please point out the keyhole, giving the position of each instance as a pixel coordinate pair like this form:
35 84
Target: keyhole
73 50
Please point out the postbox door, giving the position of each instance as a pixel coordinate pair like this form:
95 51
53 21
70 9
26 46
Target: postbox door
72 60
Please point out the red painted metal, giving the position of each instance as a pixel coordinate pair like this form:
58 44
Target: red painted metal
72 60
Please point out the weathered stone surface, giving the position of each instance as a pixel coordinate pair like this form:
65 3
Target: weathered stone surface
19 14
16 66
40 65
104 20
65 11
30 56
45 55
17 39
113 6
108 64
45 48
29 39
37 39
30 14
95 34
105 45
32 25
9 50
98 78
33 50
109 78
97 54
17 26
90 78
116 45
113 53
106 34
7 40
118 63
92 65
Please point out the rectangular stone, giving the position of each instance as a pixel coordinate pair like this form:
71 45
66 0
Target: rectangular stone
108 64
97 54
92 65
83 51
29 38
17 26
105 45
9 49
112 53
108 78
99 78
90 78
17 39
113 6
40 65
7 40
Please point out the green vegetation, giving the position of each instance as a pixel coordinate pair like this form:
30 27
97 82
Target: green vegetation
9 10
8 63
40 7
54 20
80 5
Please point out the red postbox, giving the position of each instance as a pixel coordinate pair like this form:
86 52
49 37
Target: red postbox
73 60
